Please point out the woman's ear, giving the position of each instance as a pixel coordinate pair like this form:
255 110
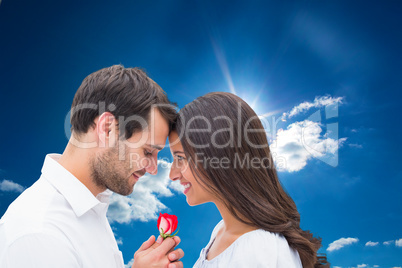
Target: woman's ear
106 130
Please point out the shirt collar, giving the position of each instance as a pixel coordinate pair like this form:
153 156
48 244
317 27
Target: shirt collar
75 192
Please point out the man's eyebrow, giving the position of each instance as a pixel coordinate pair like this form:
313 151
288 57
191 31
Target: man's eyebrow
158 147
178 152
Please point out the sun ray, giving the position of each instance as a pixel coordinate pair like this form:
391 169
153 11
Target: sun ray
254 103
220 57
271 113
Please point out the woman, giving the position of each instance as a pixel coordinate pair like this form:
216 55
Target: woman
221 155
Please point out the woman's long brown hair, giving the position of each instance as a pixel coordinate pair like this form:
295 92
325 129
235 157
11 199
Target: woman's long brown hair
220 126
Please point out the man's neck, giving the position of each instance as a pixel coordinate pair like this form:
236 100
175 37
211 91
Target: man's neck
77 162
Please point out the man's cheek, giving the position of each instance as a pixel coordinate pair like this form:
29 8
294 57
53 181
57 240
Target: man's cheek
134 160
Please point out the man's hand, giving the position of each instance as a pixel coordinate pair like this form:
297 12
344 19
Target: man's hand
148 255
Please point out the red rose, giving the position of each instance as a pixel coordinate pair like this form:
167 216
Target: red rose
167 224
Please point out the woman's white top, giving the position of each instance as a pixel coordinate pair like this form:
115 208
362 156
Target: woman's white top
255 249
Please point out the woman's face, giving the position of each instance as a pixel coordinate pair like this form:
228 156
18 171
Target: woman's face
180 170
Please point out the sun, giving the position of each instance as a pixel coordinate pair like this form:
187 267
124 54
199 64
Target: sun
250 94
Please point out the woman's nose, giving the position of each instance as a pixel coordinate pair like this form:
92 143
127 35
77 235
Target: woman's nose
174 172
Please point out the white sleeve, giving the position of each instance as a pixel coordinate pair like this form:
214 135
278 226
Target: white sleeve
40 250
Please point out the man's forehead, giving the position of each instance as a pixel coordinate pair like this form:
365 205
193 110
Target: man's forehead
156 122
157 136
147 138
138 143
154 133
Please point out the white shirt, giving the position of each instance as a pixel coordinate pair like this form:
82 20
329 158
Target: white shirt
58 222
256 249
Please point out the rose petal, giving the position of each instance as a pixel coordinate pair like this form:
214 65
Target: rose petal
173 222
159 220
165 225
169 231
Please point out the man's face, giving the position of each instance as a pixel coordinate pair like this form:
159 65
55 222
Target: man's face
119 168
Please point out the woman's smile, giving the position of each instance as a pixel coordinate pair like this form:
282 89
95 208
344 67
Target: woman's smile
186 186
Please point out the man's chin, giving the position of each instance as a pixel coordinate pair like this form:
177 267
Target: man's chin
128 192
132 190
124 192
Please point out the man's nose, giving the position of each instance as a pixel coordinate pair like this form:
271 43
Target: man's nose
152 167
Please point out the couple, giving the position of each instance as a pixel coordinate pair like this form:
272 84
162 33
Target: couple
120 121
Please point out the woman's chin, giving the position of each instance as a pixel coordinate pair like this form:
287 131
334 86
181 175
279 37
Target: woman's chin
193 203
190 203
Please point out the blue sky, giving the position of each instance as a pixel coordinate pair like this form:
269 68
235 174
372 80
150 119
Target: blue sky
301 58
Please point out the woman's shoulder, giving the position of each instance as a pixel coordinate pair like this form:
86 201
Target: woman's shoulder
262 247
258 248
261 238
258 242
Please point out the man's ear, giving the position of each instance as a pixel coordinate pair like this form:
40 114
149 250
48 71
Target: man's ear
106 130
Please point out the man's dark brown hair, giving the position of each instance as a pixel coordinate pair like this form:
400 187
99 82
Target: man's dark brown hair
125 93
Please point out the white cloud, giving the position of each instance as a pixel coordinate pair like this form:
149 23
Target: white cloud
337 267
387 243
398 242
119 240
340 243
355 145
371 244
176 186
130 263
143 204
318 103
9 186
361 265
300 142
304 140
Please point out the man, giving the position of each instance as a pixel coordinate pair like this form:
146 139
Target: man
120 121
